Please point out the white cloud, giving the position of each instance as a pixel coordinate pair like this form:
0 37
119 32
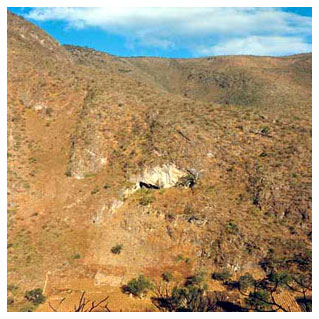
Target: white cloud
185 28
258 45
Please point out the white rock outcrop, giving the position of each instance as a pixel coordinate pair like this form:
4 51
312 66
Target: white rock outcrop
164 176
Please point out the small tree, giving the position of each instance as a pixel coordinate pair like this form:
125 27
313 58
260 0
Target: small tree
259 300
279 278
138 286
191 297
262 293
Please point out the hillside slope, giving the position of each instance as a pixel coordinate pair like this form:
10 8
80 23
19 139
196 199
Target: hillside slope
240 80
85 129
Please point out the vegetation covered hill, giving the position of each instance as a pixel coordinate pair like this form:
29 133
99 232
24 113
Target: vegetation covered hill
119 167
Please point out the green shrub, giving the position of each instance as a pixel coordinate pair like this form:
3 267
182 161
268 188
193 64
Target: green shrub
246 281
146 198
167 276
265 130
191 299
196 280
232 228
12 288
117 249
179 258
187 298
279 278
35 296
222 276
32 160
68 173
138 286
187 181
258 300
76 256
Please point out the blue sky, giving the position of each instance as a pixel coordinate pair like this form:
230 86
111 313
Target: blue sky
179 32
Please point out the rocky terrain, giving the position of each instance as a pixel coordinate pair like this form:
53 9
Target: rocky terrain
188 165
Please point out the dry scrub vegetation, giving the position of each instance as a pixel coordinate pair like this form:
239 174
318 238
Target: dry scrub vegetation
82 123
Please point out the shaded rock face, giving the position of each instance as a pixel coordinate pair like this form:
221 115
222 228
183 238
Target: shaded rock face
87 160
88 144
164 176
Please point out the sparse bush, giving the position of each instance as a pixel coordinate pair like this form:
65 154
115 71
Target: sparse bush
76 256
146 197
27 308
196 280
10 301
167 276
265 130
12 288
279 278
246 281
32 160
232 228
116 250
222 276
188 210
180 258
187 181
260 294
35 296
95 190
49 111
68 173
186 298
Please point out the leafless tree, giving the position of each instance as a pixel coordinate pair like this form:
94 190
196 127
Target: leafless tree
85 305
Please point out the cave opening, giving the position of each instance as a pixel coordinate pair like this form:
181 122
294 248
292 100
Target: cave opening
148 186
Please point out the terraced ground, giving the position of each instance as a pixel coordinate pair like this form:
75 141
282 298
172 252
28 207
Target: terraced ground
82 123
